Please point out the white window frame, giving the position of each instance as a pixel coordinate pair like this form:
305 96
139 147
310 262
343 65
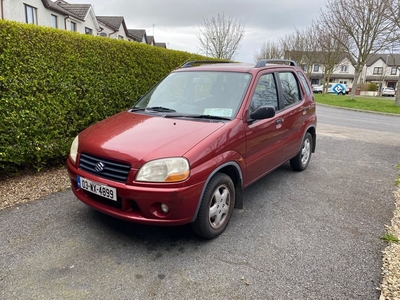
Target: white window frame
88 30
54 21
30 14
73 26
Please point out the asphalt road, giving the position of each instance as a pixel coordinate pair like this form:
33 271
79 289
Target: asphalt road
309 235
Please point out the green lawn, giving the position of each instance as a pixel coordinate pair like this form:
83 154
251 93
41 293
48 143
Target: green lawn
377 104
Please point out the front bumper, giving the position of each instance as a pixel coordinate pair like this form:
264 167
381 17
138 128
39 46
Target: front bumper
141 204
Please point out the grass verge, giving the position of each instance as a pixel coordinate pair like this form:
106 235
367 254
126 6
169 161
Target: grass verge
375 104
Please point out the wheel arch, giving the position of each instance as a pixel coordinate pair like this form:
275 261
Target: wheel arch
233 170
312 130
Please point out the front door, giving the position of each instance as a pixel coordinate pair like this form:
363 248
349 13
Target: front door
263 137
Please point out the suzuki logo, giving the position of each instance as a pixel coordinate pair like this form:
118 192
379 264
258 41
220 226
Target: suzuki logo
99 167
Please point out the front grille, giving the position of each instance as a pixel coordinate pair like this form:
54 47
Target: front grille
104 168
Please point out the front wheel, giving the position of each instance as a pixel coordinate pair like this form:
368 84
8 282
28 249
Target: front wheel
216 207
301 160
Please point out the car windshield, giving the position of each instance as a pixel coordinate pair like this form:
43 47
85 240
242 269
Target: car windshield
197 93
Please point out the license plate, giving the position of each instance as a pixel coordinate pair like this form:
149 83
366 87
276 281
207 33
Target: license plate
97 188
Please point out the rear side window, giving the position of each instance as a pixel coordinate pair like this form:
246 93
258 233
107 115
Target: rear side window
290 88
304 82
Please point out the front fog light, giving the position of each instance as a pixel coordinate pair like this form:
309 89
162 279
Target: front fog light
164 208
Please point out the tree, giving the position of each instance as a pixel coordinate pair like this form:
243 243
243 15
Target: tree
332 52
302 47
393 15
269 50
221 36
367 26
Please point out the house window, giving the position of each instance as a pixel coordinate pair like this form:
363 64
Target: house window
54 22
304 68
73 26
344 68
393 71
316 68
88 31
30 14
378 71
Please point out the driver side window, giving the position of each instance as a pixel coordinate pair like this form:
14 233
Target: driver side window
265 93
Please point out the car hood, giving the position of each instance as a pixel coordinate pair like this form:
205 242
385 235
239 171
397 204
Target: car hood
138 138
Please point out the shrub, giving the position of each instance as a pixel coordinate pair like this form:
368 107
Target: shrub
55 83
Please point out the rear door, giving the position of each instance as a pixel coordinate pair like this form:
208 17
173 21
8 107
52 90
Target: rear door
294 112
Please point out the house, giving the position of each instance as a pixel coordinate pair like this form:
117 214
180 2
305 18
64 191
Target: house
114 27
342 72
139 35
73 17
382 69
60 14
150 40
161 45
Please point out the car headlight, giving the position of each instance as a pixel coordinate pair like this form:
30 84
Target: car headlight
74 149
173 169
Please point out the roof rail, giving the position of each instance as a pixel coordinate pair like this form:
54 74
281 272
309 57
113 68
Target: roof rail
199 62
263 62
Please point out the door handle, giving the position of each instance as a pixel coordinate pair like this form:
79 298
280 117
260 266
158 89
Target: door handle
279 121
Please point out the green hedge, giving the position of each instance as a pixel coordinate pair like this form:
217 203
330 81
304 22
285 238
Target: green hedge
54 84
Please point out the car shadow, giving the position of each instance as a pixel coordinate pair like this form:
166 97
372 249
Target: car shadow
155 237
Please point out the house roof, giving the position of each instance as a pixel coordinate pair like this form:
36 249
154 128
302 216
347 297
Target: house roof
78 11
318 56
150 40
137 34
113 22
162 45
388 58
55 7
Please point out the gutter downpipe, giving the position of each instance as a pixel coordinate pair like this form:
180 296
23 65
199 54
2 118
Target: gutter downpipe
113 33
65 22
2 10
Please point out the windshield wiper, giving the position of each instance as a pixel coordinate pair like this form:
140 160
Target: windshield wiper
160 109
209 117
135 109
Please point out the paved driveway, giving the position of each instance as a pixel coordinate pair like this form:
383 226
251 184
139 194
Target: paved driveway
309 235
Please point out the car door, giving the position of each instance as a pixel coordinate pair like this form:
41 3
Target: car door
293 113
263 137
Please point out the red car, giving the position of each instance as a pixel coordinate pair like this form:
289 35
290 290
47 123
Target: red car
187 149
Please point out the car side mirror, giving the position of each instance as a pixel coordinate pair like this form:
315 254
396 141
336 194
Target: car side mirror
263 112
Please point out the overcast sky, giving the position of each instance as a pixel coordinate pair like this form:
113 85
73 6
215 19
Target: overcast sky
176 22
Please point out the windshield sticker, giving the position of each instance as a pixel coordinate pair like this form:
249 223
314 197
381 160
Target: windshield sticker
219 112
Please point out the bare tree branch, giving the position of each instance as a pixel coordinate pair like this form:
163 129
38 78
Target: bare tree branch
221 36
393 14
269 50
366 24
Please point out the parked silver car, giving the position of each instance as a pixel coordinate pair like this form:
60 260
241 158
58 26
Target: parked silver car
388 91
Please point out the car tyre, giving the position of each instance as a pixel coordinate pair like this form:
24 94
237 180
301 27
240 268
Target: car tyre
216 207
302 159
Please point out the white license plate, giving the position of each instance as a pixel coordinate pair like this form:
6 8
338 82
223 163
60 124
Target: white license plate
97 188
